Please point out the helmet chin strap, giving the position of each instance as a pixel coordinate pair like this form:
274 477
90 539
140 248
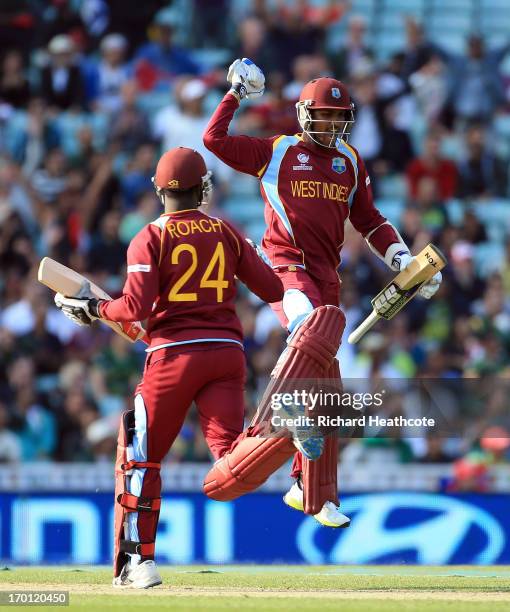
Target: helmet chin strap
335 136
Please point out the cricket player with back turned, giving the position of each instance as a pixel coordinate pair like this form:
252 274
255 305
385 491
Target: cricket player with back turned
311 184
181 278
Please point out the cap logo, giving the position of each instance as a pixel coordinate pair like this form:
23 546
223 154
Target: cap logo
338 164
174 184
335 92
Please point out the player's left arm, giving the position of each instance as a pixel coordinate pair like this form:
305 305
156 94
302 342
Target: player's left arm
138 295
141 288
381 236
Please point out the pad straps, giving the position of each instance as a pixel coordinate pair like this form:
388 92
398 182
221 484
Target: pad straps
144 549
125 467
132 503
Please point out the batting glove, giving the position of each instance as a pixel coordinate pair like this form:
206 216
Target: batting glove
81 311
247 79
402 259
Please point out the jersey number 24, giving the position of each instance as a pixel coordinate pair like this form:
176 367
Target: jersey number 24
207 281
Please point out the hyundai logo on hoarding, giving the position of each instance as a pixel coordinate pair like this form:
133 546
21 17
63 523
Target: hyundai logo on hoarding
385 525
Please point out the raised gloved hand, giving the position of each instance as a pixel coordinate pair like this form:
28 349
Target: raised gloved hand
402 259
81 311
247 79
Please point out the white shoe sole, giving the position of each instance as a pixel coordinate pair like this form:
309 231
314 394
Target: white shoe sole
297 504
137 585
326 523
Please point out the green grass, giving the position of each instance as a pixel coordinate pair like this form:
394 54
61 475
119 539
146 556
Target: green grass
274 604
267 588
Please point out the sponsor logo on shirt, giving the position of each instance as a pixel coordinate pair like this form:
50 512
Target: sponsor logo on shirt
367 182
338 164
303 161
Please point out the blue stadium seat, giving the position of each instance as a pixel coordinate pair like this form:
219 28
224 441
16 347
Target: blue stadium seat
153 101
455 42
212 58
456 209
497 38
409 6
361 7
496 232
494 211
457 5
46 383
497 21
454 22
389 42
391 209
211 101
14 134
243 185
488 6
489 257
244 210
393 187
501 128
255 231
69 124
390 23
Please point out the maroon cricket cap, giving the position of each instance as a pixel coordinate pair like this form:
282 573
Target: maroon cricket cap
180 169
326 93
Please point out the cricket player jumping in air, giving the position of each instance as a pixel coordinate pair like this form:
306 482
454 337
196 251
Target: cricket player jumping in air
311 184
181 277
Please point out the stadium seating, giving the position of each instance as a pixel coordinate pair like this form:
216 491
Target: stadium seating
243 211
455 210
391 209
489 257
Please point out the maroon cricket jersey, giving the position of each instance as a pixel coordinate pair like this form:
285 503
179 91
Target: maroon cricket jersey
309 193
181 277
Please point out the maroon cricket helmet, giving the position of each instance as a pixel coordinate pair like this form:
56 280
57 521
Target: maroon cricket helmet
326 92
180 169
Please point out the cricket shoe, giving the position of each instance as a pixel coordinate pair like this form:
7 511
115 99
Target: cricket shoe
329 516
141 576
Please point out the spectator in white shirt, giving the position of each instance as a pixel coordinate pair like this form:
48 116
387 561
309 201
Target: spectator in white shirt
182 125
112 73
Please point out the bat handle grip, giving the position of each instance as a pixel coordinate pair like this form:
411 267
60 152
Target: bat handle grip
362 329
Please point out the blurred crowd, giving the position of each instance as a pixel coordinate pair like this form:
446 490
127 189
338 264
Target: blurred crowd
91 93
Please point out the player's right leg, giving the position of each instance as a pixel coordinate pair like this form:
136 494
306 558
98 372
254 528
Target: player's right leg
146 434
317 478
259 451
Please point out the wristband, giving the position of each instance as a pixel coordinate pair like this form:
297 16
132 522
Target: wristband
239 90
94 307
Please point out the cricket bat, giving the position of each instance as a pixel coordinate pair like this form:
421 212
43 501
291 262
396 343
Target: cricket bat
64 280
401 289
